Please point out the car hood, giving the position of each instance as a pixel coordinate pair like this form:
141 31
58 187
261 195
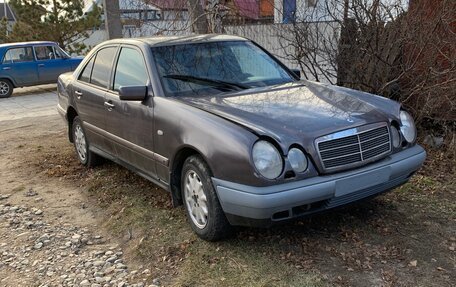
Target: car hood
298 112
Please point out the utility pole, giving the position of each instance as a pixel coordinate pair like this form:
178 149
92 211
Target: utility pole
197 17
112 18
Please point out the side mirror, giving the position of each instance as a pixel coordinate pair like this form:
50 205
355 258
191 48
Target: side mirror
132 93
297 72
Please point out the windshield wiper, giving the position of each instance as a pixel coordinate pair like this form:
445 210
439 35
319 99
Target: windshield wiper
208 82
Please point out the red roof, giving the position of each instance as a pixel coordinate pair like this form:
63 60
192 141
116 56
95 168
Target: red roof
246 8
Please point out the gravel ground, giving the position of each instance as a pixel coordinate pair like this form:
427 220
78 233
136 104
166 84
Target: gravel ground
34 251
49 234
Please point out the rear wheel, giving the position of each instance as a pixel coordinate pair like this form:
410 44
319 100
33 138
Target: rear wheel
6 88
85 156
204 212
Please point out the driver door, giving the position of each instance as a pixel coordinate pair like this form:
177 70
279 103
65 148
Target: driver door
130 123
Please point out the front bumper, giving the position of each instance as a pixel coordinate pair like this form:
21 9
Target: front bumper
262 206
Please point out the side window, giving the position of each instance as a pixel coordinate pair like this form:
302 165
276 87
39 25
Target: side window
59 53
131 69
44 53
23 54
87 72
102 66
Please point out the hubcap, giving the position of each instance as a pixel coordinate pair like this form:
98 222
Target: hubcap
4 88
80 143
195 199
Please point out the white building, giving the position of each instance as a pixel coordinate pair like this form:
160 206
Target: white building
149 17
8 13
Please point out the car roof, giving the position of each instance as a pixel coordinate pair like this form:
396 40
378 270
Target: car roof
176 40
27 43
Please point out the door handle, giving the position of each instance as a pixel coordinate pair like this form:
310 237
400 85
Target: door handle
40 65
6 68
109 105
78 94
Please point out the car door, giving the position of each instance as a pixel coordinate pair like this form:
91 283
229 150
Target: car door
89 95
130 123
50 64
19 65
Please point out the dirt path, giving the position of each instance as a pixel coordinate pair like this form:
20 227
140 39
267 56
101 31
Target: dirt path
49 234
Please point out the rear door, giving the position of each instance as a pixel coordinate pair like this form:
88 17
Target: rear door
89 94
130 123
50 64
19 64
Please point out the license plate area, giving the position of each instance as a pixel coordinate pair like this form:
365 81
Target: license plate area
362 181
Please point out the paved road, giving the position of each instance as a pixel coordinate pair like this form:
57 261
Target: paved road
29 102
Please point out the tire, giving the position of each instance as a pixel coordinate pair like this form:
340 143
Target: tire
6 88
202 206
81 145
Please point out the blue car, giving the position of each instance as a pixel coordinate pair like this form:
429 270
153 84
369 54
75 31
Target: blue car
32 63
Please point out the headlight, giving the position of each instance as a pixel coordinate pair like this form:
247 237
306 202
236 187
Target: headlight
408 128
297 159
395 137
267 159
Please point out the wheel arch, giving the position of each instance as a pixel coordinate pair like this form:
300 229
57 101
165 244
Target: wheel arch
9 79
71 114
176 166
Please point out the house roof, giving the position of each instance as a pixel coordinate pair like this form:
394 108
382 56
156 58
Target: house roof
9 12
248 8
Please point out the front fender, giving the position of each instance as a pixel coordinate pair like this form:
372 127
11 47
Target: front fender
225 146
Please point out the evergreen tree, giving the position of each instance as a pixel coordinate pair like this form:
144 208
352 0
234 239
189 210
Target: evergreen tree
61 21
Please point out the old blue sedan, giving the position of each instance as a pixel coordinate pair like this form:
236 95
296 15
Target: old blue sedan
32 63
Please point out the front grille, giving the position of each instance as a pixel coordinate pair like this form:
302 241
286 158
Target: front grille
354 147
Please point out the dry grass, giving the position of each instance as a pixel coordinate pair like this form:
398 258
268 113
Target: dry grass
370 243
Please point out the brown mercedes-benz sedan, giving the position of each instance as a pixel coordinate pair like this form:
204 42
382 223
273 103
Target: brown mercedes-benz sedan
232 133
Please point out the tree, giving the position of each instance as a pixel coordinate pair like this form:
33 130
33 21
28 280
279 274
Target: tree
61 21
197 17
383 47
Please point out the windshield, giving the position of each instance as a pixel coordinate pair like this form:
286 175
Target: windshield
209 68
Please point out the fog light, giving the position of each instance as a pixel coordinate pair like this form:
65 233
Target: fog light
395 137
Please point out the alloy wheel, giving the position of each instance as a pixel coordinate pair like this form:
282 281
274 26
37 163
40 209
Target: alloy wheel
4 88
80 143
195 199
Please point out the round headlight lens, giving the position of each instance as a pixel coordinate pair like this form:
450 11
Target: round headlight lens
267 159
408 128
297 159
395 137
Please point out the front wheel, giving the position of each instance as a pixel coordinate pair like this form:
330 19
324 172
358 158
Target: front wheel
6 88
85 156
202 206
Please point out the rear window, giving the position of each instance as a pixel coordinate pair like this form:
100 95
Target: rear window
87 72
102 67
17 55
